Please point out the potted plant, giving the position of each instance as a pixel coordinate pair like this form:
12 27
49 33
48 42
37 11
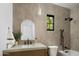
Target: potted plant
17 36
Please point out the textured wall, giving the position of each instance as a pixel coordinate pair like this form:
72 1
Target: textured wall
30 11
75 29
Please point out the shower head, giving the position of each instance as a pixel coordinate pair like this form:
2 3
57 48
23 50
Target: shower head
68 19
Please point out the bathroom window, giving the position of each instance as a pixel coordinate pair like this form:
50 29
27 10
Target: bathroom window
50 22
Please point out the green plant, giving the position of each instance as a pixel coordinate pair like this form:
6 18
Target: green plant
17 35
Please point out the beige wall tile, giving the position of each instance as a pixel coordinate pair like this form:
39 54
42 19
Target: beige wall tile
30 11
75 29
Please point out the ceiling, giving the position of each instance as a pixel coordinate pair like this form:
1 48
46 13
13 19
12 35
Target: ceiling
68 5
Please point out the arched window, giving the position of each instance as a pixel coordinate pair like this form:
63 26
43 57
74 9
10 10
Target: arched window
27 30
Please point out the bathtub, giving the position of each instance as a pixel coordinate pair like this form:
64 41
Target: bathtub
68 53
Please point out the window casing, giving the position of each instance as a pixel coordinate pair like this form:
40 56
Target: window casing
50 22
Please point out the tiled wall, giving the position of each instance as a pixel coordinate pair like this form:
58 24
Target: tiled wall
75 29
30 11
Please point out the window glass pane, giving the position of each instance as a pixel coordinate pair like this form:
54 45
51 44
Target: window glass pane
49 21
51 26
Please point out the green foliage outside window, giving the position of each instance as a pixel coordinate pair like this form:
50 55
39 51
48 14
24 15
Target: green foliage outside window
50 22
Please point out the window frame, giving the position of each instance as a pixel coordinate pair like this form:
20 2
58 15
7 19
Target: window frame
48 15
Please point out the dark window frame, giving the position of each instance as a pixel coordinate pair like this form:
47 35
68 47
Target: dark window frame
48 15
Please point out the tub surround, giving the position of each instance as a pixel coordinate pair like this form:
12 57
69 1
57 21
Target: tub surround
68 53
